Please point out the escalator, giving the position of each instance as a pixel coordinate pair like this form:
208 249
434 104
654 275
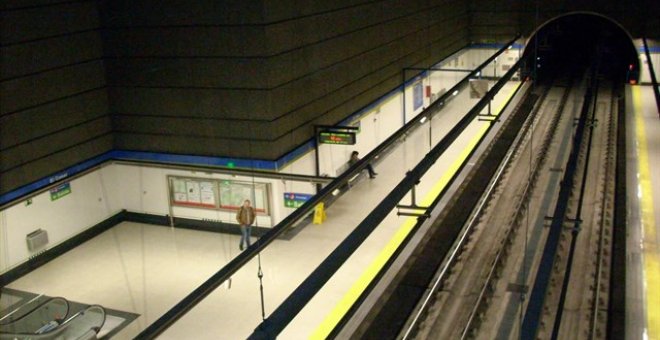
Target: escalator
50 318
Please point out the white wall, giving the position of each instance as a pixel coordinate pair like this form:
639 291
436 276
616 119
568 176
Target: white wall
145 190
645 74
106 191
63 218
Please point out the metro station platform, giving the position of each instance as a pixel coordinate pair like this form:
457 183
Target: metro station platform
643 194
146 269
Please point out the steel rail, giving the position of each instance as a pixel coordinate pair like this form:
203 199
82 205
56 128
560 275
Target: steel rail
459 242
603 212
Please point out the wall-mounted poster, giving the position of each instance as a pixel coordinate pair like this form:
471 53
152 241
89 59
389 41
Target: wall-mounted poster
418 96
193 192
179 191
207 194
234 193
192 189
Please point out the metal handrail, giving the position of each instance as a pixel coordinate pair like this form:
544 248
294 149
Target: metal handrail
207 287
459 243
278 320
229 171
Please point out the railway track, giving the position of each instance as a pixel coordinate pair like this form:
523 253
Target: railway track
484 293
467 292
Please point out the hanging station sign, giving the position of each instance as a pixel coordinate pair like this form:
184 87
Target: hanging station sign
340 138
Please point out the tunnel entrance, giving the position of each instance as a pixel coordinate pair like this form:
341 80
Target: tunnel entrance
574 41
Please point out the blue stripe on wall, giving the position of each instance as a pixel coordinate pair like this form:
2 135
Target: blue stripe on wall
206 160
34 186
652 49
136 156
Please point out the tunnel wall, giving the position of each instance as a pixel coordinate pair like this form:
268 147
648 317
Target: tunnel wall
53 103
494 21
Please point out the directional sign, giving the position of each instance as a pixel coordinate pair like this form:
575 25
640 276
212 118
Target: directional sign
295 200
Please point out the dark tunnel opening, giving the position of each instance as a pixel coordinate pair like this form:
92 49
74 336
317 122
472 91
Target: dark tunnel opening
575 41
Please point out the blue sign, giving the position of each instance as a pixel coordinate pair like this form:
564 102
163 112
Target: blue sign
295 200
418 96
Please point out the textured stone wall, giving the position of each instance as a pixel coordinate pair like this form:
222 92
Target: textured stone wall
53 101
251 78
226 78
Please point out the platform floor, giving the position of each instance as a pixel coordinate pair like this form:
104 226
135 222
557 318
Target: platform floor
146 269
643 191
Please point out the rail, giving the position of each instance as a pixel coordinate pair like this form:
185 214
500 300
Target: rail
459 243
207 287
532 317
284 313
165 165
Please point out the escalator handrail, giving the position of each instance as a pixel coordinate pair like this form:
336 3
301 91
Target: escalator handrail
66 314
60 328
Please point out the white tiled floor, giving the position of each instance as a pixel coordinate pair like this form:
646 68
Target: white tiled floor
147 269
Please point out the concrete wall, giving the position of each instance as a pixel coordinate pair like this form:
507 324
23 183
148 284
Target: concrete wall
53 104
251 78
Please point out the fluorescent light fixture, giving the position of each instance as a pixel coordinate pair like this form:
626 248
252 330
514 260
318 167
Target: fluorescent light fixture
422 120
510 46
335 192
455 93
478 74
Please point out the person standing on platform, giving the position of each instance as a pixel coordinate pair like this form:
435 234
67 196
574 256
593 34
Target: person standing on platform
245 217
354 159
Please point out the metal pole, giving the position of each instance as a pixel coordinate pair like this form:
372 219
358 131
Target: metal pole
317 157
403 96
260 275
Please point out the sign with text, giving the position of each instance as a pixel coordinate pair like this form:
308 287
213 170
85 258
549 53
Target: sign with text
295 200
60 191
340 138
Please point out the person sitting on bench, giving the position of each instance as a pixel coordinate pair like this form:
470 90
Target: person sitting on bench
354 159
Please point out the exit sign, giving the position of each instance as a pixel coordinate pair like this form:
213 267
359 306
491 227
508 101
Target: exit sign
341 138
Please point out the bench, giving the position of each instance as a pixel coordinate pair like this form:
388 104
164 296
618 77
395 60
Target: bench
340 170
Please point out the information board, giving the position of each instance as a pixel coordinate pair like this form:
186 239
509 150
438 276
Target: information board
341 138
193 192
222 194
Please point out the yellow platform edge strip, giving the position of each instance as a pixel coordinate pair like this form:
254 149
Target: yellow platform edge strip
650 247
352 295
